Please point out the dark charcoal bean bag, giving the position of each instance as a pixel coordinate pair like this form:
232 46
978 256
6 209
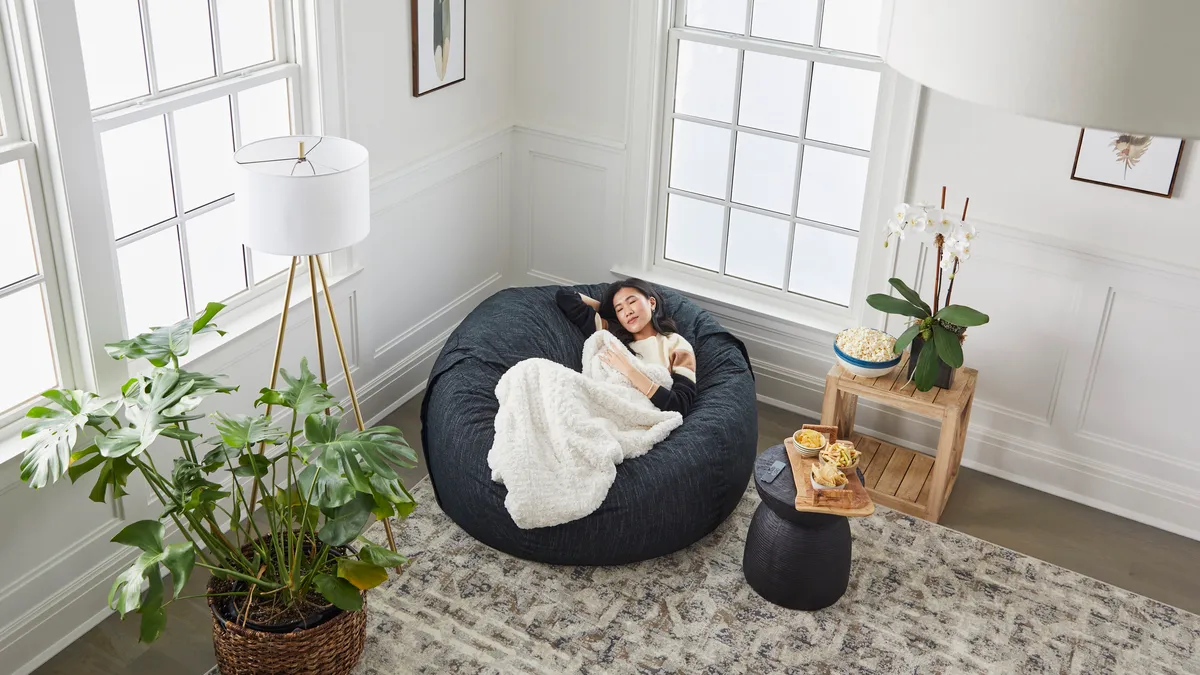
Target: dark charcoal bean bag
660 502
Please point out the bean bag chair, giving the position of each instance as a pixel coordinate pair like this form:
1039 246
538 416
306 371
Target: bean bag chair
659 503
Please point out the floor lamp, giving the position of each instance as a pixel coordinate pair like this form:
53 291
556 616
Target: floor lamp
304 196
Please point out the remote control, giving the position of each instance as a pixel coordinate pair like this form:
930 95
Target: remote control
774 471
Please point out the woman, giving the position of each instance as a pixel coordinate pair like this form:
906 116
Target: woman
633 311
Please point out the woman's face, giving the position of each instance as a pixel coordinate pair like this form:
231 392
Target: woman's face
633 309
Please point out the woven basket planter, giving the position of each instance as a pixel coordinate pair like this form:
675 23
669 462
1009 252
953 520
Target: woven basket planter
330 648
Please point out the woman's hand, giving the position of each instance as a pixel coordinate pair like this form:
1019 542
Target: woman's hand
617 361
620 362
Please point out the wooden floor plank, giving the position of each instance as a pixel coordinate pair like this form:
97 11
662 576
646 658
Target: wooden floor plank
882 456
915 478
893 474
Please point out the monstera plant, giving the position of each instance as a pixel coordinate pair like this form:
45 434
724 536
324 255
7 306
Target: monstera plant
300 553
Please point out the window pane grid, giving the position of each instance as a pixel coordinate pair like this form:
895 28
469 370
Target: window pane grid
27 295
153 87
198 113
714 26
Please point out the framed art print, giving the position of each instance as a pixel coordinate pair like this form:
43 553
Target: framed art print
439 44
1137 162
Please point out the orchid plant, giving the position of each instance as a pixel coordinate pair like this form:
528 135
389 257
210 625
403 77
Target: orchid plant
944 325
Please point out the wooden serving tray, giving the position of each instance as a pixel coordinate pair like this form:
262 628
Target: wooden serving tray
852 501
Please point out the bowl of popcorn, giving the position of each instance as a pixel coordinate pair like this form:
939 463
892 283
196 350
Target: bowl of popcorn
866 352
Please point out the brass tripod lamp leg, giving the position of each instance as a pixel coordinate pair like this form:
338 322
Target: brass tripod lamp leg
312 283
283 317
358 418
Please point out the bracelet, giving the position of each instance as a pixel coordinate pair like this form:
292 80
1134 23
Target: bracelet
648 390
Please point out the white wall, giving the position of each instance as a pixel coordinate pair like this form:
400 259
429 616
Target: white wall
571 66
438 245
381 111
1088 287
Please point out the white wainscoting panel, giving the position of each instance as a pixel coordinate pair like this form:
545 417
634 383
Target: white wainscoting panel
567 206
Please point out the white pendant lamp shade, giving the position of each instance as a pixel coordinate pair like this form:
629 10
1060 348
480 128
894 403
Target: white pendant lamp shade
1126 65
292 206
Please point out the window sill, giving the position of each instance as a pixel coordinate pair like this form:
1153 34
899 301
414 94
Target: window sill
825 322
261 310
237 321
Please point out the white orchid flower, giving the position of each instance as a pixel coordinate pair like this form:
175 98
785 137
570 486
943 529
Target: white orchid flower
900 211
965 230
896 227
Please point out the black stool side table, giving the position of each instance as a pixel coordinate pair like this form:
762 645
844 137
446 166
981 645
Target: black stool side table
794 559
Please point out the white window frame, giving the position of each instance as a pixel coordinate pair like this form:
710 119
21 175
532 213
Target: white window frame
50 124
286 66
19 142
886 184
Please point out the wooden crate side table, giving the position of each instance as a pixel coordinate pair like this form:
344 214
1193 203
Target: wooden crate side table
899 478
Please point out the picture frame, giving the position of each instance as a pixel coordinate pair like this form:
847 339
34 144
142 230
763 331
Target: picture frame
1134 162
439 44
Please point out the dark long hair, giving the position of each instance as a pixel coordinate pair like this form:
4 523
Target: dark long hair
662 323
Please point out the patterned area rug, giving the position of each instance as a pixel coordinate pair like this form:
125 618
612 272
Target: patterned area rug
922 599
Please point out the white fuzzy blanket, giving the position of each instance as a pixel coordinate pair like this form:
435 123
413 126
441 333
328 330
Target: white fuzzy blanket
561 434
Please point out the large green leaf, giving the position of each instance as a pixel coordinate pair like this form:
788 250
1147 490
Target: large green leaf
332 488
948 347
909 294
927 368
240 431
391 497
320 428
363 575
218 457
126 593
114 473
180 560
344 523
164 342
381 556
890 305
381 449
154 617
906 338
252 464
51 435
146 535
961 315
303 394
154 405
340 592
83 461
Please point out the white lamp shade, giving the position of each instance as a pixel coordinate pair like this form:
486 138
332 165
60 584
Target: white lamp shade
1126 65
293 207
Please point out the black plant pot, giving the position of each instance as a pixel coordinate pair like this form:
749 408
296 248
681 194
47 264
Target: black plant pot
945 374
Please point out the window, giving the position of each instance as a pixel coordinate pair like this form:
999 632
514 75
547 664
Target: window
30 308
768 141
175 87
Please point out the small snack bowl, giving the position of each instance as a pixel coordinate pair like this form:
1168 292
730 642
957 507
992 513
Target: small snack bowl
843 455
806 441
826 476
860 366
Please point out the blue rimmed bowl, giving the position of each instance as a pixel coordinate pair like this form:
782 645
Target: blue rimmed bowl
864 368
